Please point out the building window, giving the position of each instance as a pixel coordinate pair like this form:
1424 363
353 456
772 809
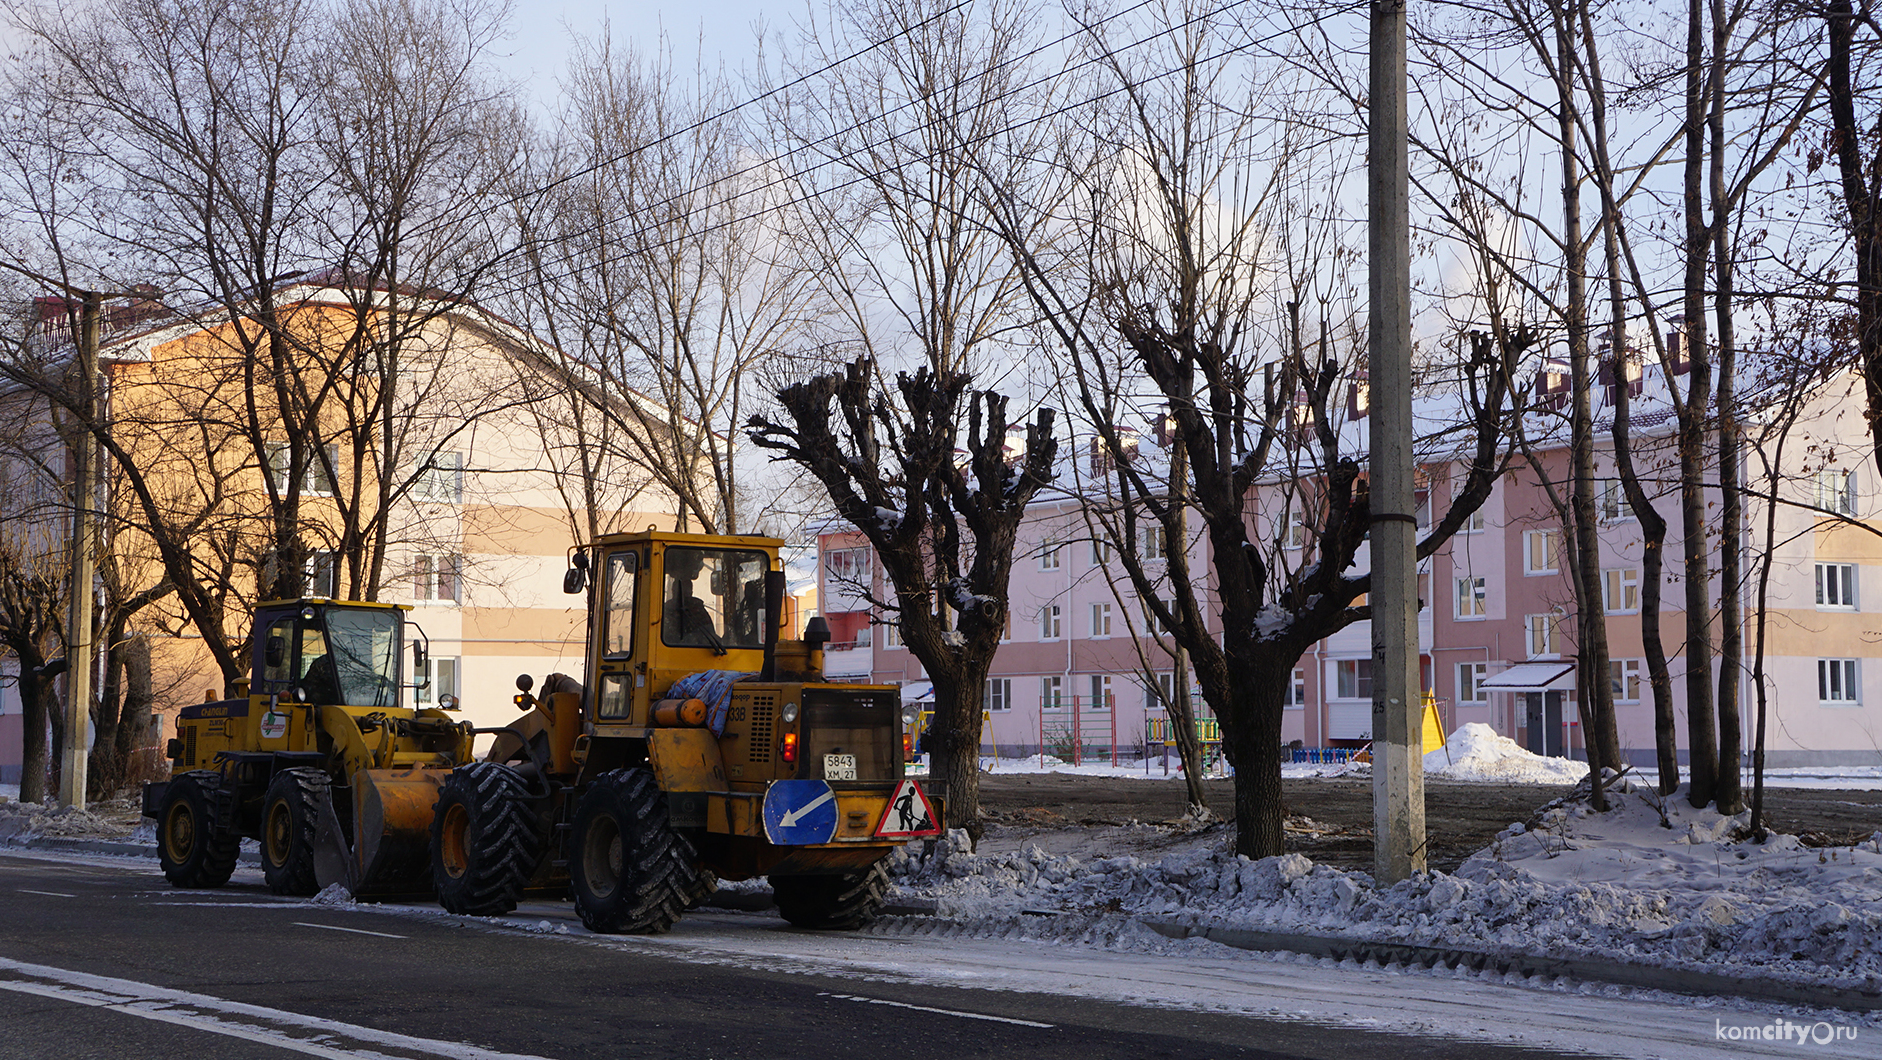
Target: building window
1540 549
1159 693
1297 689
436 578
318 482
1006 626
1836 491
323 575
1540 631
1836 586
1620 590
891 632
1100 620
441 480
1473 523
1100 692
1353 679
1626 676
1152 541
1472 598
1837 682
1470 678
1293 528
440 679
848 565
1052 693
1100 550
999 695
1613 502
1049 622
1049 555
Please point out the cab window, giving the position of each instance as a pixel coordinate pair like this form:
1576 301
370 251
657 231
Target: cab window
618 632
713 598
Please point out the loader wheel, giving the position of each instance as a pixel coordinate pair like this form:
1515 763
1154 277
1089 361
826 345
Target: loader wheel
629 870
831 903
192 846
484 840
290 809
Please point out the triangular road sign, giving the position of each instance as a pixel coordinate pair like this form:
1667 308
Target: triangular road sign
909 814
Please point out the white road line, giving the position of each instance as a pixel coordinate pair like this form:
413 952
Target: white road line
49 894
938 1011
356 931
203 1012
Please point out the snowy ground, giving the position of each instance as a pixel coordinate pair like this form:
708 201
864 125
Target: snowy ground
1653 882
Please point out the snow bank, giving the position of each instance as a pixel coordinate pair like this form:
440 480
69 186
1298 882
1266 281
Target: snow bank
115 819
1652 882
1476 752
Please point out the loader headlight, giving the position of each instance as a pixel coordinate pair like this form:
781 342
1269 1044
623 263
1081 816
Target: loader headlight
790 711
909 713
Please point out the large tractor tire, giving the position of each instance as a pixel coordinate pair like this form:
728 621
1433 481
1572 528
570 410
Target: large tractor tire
290 811
831 903
484 840
195 846
629 870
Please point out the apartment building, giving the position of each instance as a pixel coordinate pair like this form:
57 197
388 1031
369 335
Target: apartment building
1497 628
485 502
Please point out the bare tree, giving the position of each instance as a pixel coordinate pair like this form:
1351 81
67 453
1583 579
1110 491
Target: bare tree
1194 197
944 527
656 269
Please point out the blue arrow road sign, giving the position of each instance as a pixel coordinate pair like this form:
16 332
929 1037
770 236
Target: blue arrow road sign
799 812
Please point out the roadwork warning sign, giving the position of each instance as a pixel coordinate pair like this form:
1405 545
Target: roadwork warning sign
909 814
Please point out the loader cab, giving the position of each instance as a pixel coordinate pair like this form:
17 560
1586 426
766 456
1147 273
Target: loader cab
670 605
327 653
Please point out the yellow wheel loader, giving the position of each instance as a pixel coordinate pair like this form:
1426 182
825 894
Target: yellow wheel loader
318 758
699 747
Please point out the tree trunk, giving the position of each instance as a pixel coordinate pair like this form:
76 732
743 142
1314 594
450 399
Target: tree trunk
954 749
37 705
1253 747
1702 739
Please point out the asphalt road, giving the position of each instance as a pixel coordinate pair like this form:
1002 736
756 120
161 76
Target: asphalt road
104 960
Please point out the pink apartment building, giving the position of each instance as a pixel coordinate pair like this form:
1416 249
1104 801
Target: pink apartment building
1497 630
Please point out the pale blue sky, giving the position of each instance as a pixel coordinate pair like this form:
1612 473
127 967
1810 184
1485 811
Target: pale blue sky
541 31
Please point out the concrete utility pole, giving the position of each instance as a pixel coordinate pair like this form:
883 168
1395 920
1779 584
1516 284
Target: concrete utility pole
1398 777
78 635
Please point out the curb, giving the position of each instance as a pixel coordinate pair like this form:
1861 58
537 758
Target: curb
1529 966
106 846
741 901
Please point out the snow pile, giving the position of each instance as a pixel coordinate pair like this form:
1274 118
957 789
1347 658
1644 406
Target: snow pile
115 819
1476 752
1652 882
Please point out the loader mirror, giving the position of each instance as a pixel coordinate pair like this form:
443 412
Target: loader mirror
577 577
419 658
275 652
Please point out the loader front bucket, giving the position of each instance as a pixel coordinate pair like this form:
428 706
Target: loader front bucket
392 810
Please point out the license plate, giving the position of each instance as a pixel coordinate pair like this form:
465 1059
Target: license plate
839 767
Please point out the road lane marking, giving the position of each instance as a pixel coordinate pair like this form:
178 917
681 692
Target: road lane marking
48 894
937 1011
356 931
270 1026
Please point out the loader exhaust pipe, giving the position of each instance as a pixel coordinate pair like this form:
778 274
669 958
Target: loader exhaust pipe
774 617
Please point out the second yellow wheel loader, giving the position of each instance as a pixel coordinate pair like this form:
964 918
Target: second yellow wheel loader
699 747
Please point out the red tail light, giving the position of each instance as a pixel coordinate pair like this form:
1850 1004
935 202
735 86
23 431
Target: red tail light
790 747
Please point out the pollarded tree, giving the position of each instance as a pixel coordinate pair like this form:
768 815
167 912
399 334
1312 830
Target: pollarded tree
943 526
1206 227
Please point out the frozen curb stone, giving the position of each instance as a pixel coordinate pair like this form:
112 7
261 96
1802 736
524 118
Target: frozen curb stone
1646 977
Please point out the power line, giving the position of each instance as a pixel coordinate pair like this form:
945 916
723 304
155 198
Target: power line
795 175
826 138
